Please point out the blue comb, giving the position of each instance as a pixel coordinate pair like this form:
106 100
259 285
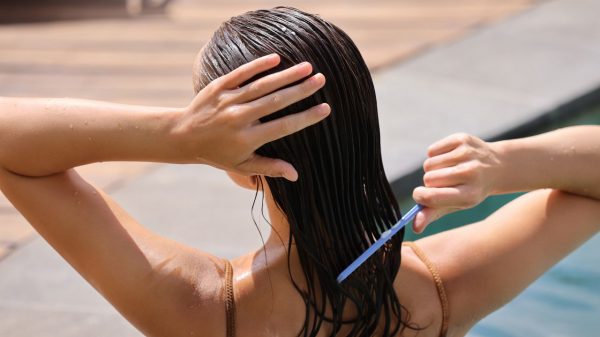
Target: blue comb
385 236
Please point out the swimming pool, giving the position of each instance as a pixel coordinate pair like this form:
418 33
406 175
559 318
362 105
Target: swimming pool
565 301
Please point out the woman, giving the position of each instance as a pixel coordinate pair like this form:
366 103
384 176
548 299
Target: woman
338 206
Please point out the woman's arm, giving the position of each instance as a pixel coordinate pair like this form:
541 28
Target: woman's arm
486 264
463 170
40 137
566 159
162 287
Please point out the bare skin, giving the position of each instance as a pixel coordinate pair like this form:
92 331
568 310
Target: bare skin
274 308
58 134
165 288
462 170
488 263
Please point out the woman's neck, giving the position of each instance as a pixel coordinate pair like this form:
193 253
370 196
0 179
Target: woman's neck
280 228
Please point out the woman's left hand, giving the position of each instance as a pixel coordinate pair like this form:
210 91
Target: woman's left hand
460 173
221 126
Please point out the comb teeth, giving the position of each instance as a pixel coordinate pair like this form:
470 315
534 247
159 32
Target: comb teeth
385 237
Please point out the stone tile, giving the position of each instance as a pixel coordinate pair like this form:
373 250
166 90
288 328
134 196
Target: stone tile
41 295
110 175
37 274
22 319
490 82
4 203
196 205
14 229
4 250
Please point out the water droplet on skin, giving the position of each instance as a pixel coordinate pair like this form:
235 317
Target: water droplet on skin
90 139
71 126
137 127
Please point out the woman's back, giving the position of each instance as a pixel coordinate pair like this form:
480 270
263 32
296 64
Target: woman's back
268 304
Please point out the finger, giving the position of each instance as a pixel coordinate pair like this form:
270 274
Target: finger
447 159
444 177
418 222
284 126
439 197
245 72
446 144
271 167
284 97
426 216
270 83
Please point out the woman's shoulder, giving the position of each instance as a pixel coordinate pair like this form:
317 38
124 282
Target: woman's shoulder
268 304
447 253
417 292
198 283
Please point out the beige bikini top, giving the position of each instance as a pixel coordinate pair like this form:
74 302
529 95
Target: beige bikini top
230 302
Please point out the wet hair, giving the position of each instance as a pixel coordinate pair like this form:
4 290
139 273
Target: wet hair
342 201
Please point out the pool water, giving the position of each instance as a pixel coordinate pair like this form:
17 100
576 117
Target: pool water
565 301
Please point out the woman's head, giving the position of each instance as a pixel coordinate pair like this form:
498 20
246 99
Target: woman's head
342 201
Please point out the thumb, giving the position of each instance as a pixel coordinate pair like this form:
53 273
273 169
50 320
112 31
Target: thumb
270 167
426 216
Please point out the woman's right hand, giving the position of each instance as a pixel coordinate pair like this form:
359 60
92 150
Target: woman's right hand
460 172
221 126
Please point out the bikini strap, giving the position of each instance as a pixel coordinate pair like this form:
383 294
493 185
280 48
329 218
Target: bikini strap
229 300
438 283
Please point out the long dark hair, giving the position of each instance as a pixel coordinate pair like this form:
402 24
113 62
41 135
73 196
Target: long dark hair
342 201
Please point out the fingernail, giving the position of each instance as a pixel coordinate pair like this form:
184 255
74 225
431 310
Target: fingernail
420 222
272 58
318 79
303 69
291 176
324 109
303 65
